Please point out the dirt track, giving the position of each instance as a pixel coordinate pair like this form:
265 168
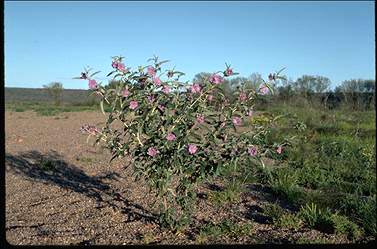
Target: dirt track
86 200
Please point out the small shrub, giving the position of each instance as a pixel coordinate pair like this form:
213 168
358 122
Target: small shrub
362 210
284 183
343 225
55 90
19 109
289 221
274 211
47 165
47 111
147 238
178 134
317 218
231 193
228 228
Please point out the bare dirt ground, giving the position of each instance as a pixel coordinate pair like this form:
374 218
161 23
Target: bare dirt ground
86 200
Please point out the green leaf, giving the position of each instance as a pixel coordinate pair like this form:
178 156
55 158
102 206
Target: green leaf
94 73
110 73
162 62
280 70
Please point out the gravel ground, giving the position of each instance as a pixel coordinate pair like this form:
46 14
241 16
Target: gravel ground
86 200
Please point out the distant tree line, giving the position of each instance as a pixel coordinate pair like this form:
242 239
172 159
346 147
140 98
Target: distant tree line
313 90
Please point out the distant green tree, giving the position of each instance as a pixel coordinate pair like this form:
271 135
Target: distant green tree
357 92
55 90
310 85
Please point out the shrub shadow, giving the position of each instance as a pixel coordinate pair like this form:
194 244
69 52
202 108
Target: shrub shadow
51 169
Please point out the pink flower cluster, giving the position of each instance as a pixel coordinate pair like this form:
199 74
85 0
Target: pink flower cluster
200 118
252 150
195 88
92 84
242 96
157 81
236 121
166 89
119 66
228 72
125 92
192 148
151 71
170 137
216 79
279 150
263 90
150 99
161 107
152 151
133 104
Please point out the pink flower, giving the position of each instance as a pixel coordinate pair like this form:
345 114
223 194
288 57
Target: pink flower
125 92
166 89
195 88
236 121
279 150
114 64
200 118
161 107
263 90
252 151
170 137
151 71
92 84
210 97
121 67
157 81
133 105
228 72
250 113
150 99
152 151
192 148
242 96
216 79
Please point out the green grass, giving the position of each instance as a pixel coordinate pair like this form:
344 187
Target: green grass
49 109
228 228
331 164
230 194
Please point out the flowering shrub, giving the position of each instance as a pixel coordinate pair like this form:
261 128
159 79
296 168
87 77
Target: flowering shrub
177 134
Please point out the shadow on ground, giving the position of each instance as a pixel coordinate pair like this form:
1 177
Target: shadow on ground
51 169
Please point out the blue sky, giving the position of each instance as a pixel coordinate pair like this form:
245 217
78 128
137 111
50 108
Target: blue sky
53 41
